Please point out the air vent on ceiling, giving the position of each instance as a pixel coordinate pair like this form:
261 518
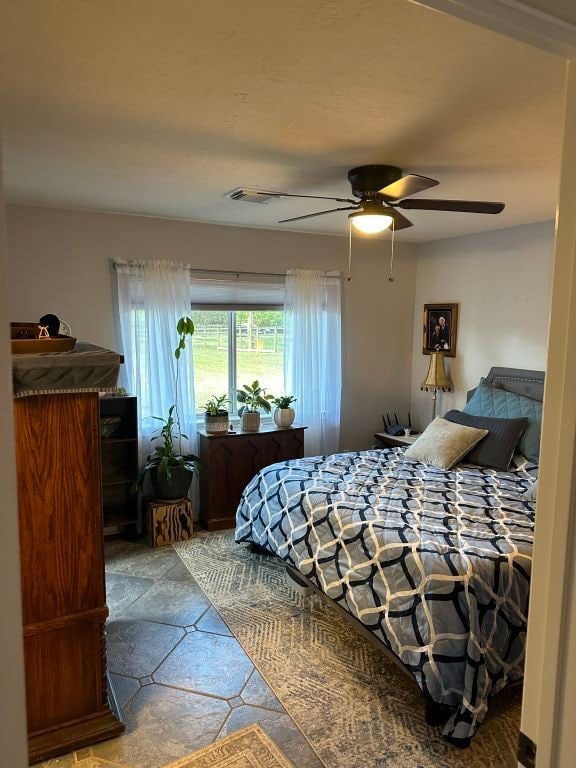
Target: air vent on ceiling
248 195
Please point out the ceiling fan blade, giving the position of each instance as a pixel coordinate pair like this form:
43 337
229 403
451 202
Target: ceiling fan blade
463 206
314 197
406 186
400 221
320 213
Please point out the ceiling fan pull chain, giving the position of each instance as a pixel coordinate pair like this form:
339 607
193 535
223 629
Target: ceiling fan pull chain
349 250
391 276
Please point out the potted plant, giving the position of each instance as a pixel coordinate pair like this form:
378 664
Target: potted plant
216 415
251 398
284 414
170 470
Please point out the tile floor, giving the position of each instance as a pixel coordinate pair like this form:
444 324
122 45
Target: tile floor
180 677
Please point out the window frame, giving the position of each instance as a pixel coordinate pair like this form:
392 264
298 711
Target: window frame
232 311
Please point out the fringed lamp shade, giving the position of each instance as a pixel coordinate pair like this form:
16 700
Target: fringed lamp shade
436 380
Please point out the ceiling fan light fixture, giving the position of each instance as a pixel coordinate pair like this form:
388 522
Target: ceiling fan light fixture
370 223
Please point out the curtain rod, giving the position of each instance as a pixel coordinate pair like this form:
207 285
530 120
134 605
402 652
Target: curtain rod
122 263
237 272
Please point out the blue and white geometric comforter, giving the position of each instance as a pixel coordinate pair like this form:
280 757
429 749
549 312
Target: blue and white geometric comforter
435 563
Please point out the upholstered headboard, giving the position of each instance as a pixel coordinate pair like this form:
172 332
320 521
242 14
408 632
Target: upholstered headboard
522 382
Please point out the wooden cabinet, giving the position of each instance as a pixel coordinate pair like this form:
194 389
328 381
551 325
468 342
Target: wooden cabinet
62 565
119 457
230 461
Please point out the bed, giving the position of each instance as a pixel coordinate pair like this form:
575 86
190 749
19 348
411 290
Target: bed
434 563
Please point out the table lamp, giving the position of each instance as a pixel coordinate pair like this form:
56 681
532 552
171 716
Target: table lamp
436 380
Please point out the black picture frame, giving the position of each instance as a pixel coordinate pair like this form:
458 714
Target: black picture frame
440 329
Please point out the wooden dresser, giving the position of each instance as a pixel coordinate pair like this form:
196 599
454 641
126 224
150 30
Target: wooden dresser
230 461
62 564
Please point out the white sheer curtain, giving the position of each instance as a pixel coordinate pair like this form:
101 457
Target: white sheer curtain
152 296
312 355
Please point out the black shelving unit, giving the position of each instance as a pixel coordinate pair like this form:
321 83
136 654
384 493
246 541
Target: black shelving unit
120 509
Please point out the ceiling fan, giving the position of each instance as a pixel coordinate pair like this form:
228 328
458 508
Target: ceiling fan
381 190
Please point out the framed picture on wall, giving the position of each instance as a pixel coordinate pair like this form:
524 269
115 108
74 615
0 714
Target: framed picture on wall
440 329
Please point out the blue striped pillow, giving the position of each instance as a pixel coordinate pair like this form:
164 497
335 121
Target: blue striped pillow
497 448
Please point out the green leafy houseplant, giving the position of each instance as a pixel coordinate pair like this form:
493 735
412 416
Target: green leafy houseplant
284 414
170 470
216 415
215 405
252 398
284 401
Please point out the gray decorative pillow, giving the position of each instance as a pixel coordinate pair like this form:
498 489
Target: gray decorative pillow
497 448
444 443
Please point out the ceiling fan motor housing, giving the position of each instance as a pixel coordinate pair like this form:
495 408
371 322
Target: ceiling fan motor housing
366 180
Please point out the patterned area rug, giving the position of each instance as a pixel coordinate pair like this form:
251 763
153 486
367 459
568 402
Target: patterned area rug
248 748
354 706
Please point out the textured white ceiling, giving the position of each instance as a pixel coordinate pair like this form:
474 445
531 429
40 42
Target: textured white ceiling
161 108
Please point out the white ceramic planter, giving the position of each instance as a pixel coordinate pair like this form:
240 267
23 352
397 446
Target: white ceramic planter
250 421
216 425
284 417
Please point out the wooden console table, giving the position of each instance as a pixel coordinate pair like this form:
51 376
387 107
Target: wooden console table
230 461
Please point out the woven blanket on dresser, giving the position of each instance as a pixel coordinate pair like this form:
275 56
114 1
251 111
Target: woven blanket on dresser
435 563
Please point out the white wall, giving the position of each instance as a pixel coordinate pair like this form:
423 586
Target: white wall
13 743
501 281
60 262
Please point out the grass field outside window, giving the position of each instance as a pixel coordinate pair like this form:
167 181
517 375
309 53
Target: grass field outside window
235 348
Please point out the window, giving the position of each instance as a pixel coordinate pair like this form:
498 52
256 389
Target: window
235 347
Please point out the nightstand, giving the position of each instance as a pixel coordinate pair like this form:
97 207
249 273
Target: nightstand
393 441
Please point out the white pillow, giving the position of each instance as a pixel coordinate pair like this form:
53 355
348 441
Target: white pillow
443 443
